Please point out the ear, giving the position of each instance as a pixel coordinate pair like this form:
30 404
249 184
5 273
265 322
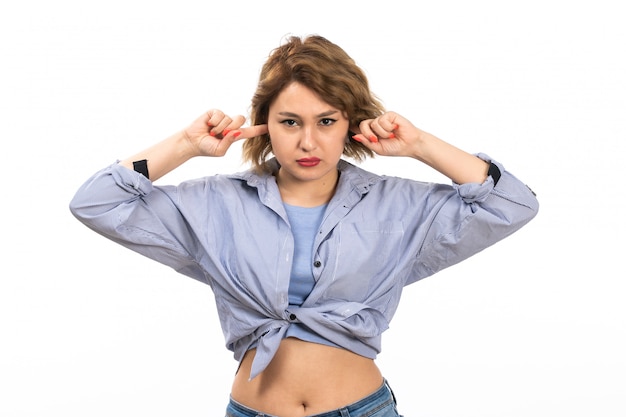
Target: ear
349 136
351 133
354 130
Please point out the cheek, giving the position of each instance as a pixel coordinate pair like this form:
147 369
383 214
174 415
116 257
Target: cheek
339 142
280 147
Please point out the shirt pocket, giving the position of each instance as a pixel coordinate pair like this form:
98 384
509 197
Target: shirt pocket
366 259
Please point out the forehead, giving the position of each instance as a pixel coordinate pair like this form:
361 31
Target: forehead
298 98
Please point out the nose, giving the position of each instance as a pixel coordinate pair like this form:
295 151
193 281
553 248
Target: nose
308 141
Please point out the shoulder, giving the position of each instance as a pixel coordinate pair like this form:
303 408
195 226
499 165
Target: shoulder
369 181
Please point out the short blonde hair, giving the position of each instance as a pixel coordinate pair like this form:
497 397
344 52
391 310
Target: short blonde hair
326 69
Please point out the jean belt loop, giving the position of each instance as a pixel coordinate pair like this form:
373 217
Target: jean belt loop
393 396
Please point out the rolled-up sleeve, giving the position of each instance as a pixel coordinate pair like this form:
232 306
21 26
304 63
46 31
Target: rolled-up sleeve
127 208
471 218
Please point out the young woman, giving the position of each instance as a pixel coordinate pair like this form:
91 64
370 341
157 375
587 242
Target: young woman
307 254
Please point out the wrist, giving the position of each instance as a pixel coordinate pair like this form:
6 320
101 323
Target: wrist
185 145
423 146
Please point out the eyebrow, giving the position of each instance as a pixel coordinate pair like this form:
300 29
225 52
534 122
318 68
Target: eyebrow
324 114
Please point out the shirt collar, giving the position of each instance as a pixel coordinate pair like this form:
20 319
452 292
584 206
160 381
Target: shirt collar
351 177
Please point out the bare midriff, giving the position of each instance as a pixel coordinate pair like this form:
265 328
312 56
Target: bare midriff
306 378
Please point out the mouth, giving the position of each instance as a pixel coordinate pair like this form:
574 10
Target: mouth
308 162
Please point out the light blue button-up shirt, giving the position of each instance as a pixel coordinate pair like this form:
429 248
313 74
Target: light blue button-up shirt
231 232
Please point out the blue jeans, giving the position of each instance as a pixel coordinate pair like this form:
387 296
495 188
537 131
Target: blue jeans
382 403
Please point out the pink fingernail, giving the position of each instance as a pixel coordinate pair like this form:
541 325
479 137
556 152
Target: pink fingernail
373 139
356 138
392 135
225 132
211 133
237 133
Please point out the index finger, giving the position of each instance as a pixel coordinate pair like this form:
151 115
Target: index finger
252 131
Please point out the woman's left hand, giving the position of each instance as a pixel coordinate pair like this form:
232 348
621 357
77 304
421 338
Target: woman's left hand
393 135
390 135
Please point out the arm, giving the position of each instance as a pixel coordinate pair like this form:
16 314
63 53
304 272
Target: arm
393 135
126 207
209 135
456 228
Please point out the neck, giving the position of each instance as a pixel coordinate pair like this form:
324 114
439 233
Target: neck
307 193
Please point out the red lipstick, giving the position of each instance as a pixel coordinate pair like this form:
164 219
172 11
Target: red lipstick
308 162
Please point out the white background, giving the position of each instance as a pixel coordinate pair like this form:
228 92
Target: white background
531 327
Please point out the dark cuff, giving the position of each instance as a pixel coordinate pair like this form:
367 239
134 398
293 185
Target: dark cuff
142 167
494 172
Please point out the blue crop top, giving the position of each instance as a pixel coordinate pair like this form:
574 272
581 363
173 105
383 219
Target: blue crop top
305 222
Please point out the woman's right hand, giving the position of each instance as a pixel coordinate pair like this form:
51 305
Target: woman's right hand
214 132
209 135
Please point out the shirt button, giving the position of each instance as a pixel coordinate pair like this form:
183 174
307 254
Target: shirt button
317 264
292 317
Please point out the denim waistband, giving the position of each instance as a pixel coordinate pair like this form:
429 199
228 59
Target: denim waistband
373 403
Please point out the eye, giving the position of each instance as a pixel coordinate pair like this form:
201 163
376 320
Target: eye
327 121
289 122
